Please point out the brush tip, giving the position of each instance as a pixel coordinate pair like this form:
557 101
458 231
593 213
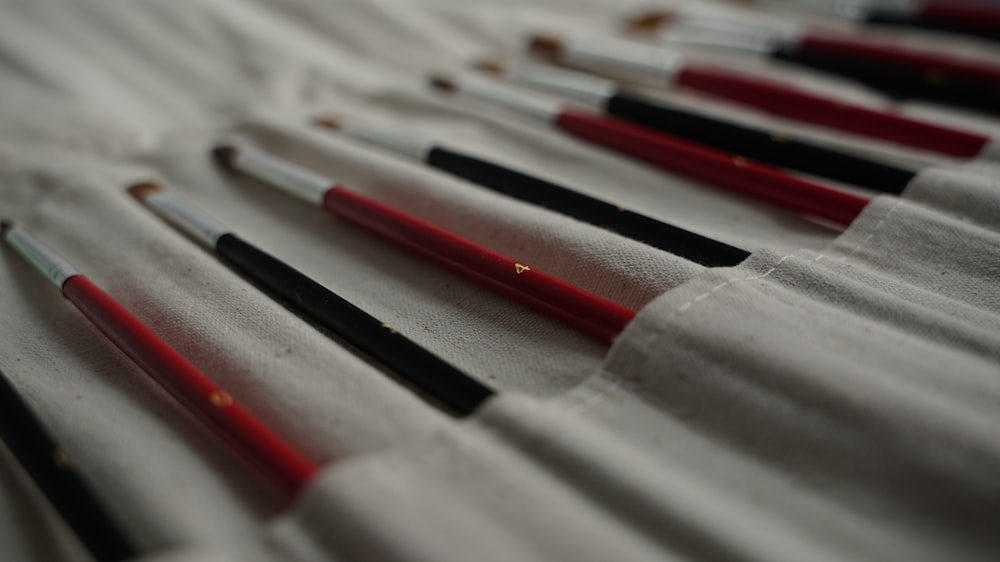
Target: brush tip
142 190
491 66
545 45
328 122
225 155
442 83
650 22
5 226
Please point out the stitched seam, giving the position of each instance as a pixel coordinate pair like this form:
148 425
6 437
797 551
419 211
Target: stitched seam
686 306
875 230
596 396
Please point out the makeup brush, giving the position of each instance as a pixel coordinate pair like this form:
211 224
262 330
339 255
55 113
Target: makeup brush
531 189
256 442
53 472
633 61
722 169
457 392
978 19
586 311
900 72
766 146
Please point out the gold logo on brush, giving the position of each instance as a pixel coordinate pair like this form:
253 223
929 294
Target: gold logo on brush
220 399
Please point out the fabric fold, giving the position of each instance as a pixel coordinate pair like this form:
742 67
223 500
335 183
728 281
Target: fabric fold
812 406
964 194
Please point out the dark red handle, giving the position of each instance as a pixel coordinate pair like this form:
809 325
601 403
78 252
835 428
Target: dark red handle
552 296
719 168
950 11
792 103
257 442
935 65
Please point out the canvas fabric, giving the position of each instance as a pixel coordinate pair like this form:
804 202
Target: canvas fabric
834 397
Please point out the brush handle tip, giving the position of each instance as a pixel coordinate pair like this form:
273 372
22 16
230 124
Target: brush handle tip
225 155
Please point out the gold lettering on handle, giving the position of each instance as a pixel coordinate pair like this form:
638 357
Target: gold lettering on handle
220 399
61 458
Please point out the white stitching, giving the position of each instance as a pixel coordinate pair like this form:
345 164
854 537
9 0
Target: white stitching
684 307
875 230
595 396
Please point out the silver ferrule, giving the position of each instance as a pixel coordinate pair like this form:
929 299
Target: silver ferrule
581 87
526 103
389 138
620 58
186 217
282 174
895 7
857 10
710 31
55 268
849 9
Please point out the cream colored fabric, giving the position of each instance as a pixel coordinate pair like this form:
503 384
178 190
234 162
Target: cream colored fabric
835 397
967 194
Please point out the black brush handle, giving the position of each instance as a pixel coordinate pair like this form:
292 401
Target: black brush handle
761 145
691 246
984 29
899 81
49 466
454 389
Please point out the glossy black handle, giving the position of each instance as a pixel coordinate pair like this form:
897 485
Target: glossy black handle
899 81
985 28
761 145
689 245
53 472
455 390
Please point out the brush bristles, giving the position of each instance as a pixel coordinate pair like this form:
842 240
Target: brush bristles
650 22
327 122
443 84
5 226
142 190
225 155
545 45
491 66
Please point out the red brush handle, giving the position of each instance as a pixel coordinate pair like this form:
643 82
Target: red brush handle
782 100
258 443
923 60
584 310
950 11
716 167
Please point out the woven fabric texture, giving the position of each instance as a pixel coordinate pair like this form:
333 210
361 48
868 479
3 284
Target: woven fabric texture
835 397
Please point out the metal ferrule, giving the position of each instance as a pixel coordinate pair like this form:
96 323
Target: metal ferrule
282 174
895 7
709 31
619 58
580 87
852 9
525 103
186 217
55 268
385 137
